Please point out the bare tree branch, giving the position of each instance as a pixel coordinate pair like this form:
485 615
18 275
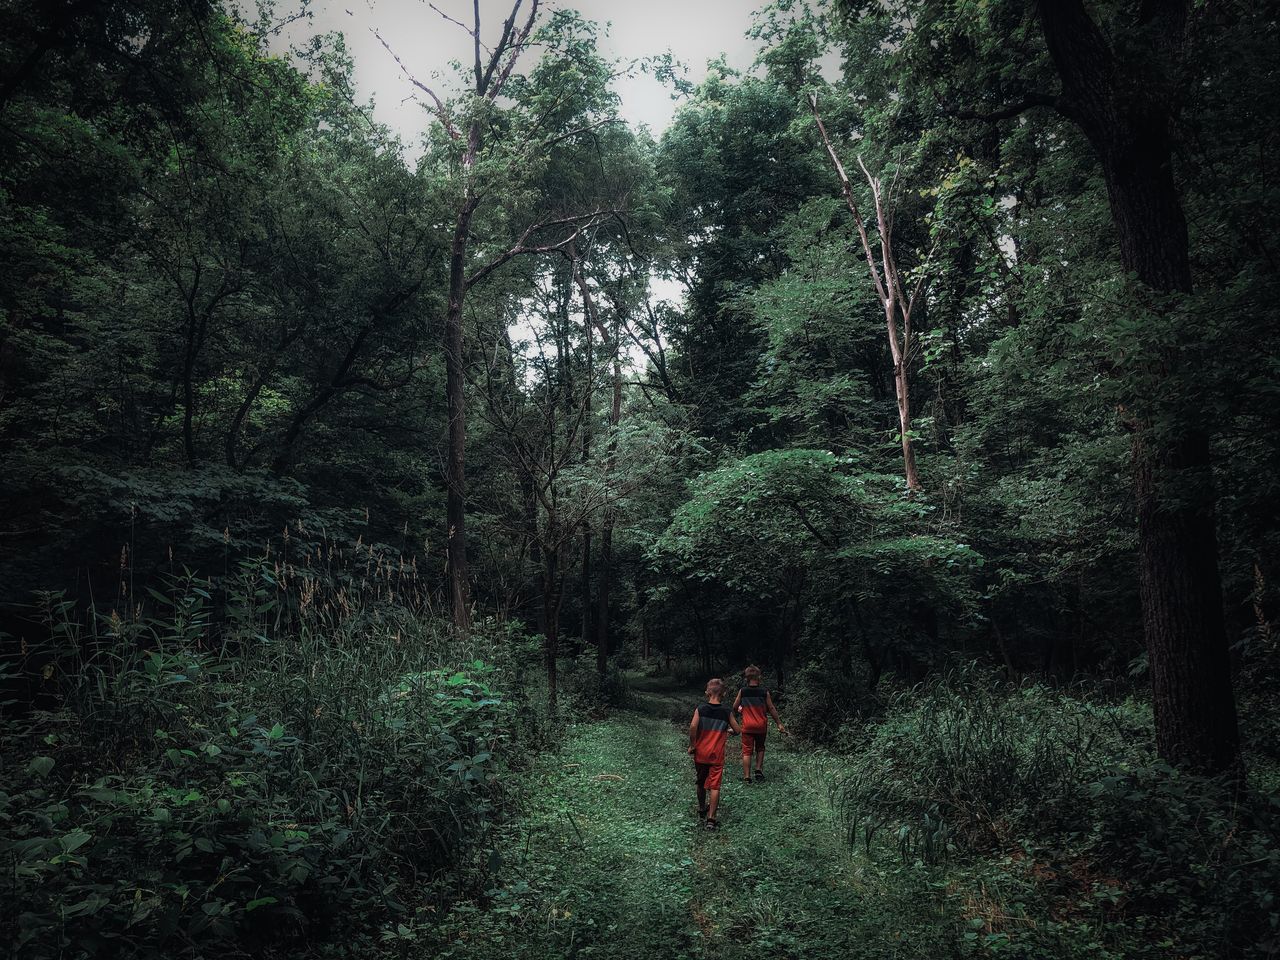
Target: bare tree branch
441 111
522 246
849 200
455 22
516 46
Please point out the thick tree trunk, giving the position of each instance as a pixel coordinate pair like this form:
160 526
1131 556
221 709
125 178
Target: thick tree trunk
602 594
1123 107
455 462
588 609
195 341
530 498
1182 606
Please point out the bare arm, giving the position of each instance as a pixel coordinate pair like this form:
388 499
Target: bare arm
773 711
693 731
734 724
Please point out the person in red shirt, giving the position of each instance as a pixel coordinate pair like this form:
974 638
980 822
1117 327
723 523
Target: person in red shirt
756 705
708 732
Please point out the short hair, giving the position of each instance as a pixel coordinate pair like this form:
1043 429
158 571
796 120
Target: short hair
715 687
752 672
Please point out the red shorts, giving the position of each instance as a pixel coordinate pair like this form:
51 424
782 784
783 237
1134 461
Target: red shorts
709 775
752 741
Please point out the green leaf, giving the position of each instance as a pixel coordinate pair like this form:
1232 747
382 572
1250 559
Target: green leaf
40 766
74 840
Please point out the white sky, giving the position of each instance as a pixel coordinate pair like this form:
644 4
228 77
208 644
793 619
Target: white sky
694 31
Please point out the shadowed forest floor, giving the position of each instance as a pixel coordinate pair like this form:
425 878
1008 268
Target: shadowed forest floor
610 860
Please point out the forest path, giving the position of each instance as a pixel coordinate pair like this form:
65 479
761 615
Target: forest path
611 861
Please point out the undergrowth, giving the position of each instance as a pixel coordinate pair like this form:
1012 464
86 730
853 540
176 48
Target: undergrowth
1055 829
254 767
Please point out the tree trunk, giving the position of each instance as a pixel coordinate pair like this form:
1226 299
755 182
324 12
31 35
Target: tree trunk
1182 610
588 609
1123 108
588 319
530 498
551 618
902 389
455 463
998 636
606 524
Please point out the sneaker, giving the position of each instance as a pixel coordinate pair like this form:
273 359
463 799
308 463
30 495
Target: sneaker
713 825
759 776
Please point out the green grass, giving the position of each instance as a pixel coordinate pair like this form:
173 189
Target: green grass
609 860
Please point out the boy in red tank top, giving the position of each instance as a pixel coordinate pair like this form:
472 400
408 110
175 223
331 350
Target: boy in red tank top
708 731
756 706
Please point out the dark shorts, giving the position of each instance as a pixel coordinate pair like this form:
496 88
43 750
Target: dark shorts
708 775
752 741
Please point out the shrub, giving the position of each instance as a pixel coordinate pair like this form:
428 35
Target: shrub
1200 854
1052 810
585 692
196 795
969 760
821 699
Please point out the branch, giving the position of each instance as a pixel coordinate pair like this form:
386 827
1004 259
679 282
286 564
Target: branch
586 128
523 247
852 204
923 274
476 36
1029 102
884 216
440 110
516 46
458 23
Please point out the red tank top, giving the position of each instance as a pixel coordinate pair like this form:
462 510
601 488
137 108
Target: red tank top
754 707
713 731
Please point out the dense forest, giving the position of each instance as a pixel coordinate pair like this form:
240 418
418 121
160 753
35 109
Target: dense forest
370 509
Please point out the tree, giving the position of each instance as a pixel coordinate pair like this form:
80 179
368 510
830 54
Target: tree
806 535
491 75
897 304
489 150
1124 105
1122 86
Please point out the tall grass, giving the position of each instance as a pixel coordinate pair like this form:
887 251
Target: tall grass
1046 816
967 760
296 749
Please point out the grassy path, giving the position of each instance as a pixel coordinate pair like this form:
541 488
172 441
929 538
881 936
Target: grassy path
610 860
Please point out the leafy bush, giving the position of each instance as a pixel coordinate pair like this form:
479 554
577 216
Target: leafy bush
193 794
1058 829
587 693
1199 853
821 699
